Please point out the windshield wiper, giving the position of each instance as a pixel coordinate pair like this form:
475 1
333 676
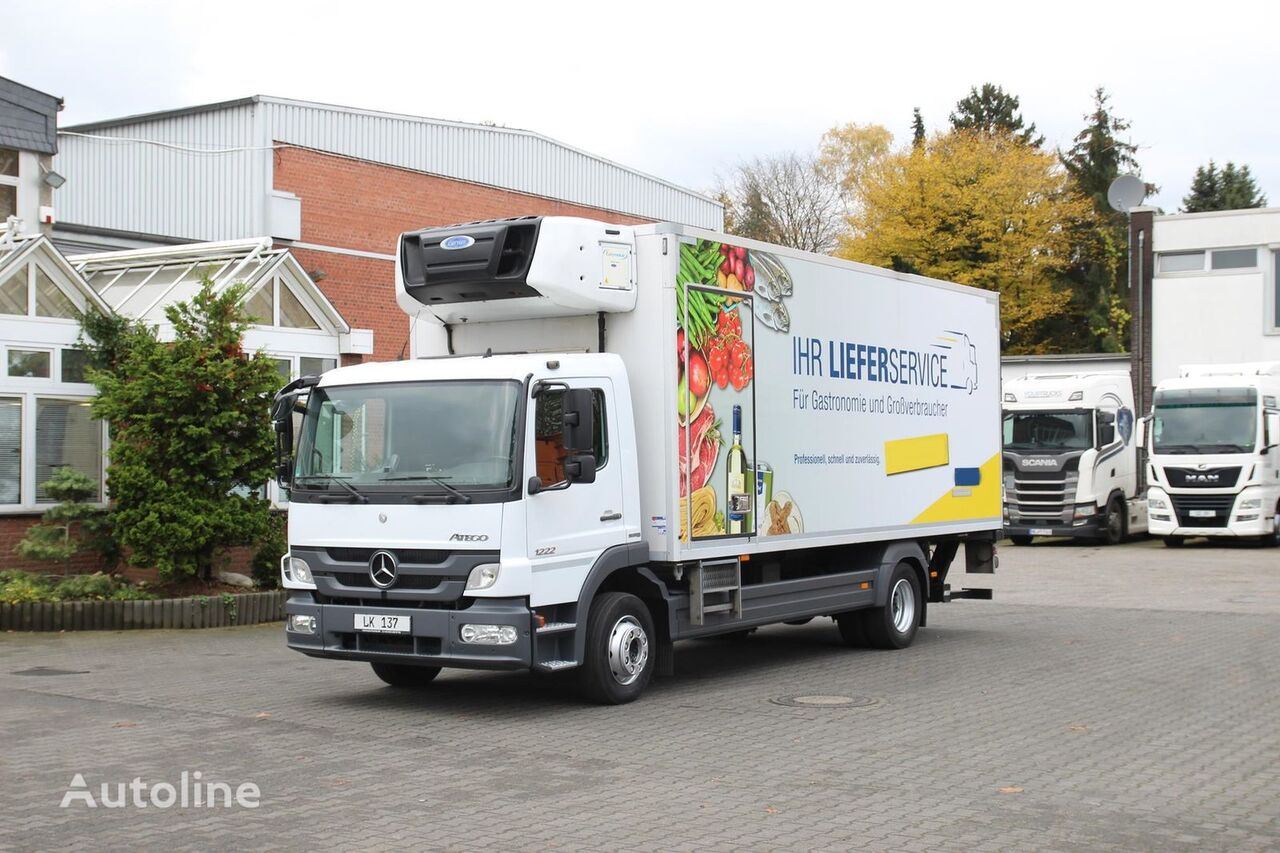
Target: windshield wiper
436 480
355 493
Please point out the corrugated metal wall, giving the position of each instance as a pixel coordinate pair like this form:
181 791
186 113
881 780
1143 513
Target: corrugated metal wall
150 189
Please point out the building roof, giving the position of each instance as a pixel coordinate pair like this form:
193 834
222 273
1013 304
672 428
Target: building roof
223 151
141 284
28 118
16 250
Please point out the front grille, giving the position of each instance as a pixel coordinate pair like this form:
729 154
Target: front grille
1041 497
1220 505
390 644
370 599
360 580
1211 478
404 556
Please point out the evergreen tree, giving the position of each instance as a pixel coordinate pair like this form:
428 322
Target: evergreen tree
993 111
917 128
1226 189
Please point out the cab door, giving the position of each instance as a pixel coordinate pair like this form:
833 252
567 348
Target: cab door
569 527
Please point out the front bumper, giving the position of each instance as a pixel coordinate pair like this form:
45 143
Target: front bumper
1089 528
433 638
1260 526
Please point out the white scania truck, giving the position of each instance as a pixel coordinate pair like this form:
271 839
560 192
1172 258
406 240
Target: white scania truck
1071 458
1214 439
623 436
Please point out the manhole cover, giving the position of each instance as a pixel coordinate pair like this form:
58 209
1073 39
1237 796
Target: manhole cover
44 670
819 700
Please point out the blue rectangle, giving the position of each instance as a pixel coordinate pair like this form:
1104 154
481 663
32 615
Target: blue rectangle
968 476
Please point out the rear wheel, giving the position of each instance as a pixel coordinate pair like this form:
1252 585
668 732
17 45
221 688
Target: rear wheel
894 626
1020 540
1113 525
620 649
402 675
1173 541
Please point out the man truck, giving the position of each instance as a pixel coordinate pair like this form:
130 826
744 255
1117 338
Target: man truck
612 438
1071 458
1214 440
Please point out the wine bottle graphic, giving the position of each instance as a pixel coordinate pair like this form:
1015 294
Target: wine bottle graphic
738 500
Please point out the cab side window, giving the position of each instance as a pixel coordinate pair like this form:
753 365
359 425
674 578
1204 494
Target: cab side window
549 451
1106 428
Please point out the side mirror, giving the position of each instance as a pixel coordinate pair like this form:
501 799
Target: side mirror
1140 432
282 410
579 426
580 469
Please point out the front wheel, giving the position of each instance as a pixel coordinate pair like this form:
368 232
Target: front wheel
1272 539
1020 540
401 675
1113 526
620 649
1173 541
894 626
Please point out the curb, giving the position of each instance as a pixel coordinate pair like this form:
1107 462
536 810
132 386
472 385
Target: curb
211 611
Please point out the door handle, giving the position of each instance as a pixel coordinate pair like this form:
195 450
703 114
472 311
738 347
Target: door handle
609 515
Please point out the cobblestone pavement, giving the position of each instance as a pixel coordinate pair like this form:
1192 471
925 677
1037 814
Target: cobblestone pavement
1138 722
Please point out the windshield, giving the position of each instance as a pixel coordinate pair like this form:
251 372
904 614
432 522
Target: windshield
423 436
1205 420
1048 430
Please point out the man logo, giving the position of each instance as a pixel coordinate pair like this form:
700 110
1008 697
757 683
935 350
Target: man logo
383 569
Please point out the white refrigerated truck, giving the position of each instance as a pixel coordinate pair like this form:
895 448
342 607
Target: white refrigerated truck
1214 442
623 436
1071 458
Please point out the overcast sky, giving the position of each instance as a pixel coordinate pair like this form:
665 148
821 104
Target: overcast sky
685 90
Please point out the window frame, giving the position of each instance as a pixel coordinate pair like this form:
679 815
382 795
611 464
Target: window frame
29 400
600 406
14 181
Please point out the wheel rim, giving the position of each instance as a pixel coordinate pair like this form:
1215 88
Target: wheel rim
903 605
628 650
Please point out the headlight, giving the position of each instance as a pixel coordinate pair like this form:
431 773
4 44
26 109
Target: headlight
488 635
1085 510
295 570
1251 503
483 577
302 624
1157 503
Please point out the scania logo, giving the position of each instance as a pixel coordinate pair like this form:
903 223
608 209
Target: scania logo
1039 462
457 241
469 537
383 569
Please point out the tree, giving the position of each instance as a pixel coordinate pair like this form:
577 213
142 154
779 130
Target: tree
1098 319
787 199
73 525
917 128
1228 189
849 153
191 440
979 209
993 111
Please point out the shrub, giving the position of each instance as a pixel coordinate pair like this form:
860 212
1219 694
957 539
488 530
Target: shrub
266 560
17 587
94 587
21 588
73 526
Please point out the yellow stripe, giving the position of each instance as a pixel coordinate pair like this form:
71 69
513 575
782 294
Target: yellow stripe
913 454
981 501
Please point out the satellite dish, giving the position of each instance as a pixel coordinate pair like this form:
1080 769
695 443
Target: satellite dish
1126 192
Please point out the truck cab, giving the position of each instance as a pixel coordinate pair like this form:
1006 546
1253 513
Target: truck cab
1071 463
1214 442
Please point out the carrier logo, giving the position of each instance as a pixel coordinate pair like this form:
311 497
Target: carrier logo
383 569
457 241
469 537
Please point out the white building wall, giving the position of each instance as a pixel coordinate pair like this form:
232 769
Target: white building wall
1215 316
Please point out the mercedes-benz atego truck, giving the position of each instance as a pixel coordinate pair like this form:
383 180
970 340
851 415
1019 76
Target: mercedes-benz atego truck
613 438
1071 458
1214 439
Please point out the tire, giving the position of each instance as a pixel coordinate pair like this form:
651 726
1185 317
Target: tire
1174 541
1272 539
405 675
853 628
621 650
1114 526
1020 540
894 626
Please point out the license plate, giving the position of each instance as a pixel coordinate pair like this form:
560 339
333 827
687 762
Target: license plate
377 623
1041 531
1202 513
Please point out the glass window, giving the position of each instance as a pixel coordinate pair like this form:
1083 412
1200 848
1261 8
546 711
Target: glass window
8 162
292 314
30 363
1275 283
284 367
74 362
50 299
13 290
1234 259
308 366
1033 431
1205 420
261 305
8 202
10 450
67 436
1181 261
548 428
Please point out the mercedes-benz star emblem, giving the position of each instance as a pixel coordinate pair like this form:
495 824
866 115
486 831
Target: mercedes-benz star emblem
382 569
